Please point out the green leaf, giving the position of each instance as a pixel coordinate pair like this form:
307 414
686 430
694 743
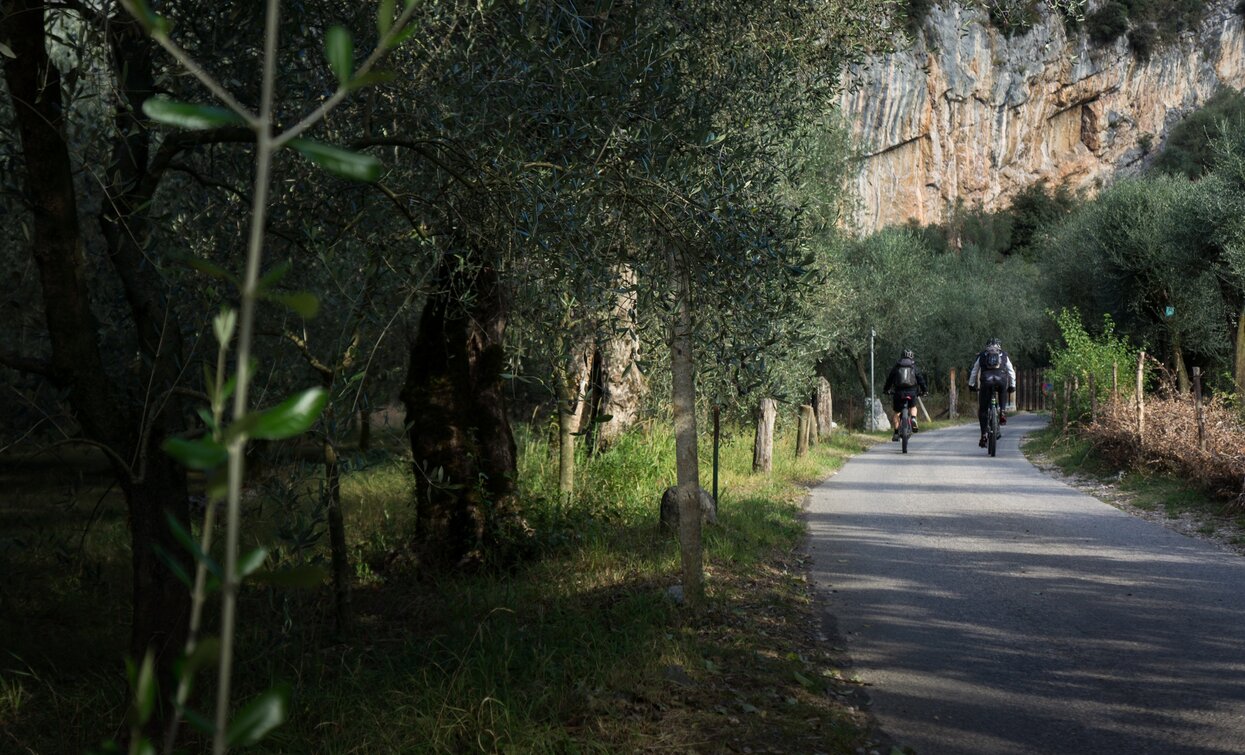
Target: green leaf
804 680
199 721
290 417
192 546
188 116
401 37
144 686
384 17
7 51
274 275
206 653
205 414
341 162
153 23
173 565
298 576
371 78
260 716
251 561
304 304
230 385
339 47
203 453
212 269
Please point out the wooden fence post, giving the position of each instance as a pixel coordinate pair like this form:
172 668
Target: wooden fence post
953 397
1067 399
1115 380
804 431
1197 402
1141 402
1093 400
824 408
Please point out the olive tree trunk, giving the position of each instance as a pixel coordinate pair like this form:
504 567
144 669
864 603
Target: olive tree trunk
462 447
763 446
683 395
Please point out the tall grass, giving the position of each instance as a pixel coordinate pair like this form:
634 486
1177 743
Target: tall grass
565 651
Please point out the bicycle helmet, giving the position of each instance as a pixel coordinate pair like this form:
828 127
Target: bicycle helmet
994 342
907 354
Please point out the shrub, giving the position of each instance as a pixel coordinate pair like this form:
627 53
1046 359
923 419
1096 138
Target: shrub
1142 40
1107 23
1189 149
1083 355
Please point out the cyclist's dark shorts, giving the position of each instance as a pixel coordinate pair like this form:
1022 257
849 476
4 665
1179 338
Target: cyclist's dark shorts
993 379
898 397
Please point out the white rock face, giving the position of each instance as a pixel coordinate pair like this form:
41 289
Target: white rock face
969 114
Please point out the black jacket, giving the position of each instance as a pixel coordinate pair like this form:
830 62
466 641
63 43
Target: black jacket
892 378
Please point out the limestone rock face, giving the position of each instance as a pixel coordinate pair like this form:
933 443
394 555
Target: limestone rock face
968 114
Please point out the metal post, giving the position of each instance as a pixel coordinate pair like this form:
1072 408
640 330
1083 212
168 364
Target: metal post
872 383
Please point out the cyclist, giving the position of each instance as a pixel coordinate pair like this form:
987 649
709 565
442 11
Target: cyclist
993 371
906 382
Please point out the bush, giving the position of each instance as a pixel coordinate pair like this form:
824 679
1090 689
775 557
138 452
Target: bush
1083 355
1107 23
1012 17
1189 150
1143 39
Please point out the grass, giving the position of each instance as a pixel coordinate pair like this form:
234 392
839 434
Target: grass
1144 489
577 649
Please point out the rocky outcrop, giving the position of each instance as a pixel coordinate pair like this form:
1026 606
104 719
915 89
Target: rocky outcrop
967 114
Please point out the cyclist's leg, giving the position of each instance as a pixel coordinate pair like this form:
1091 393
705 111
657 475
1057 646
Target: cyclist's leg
896 408
983 407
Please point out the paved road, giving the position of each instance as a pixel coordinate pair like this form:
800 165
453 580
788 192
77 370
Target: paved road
993 609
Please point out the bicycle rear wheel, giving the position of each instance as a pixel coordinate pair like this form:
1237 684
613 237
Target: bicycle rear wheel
905 429
992 441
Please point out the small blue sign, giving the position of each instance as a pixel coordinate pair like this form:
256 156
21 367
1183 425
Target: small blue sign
1169 311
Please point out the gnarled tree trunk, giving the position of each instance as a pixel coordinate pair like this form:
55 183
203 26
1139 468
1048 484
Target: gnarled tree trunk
462 446
622 386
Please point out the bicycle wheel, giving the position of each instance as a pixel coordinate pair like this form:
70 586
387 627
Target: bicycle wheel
905 429
992 441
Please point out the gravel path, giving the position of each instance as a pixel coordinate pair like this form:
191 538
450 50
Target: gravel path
994 609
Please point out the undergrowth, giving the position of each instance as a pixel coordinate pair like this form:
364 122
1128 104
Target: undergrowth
577 649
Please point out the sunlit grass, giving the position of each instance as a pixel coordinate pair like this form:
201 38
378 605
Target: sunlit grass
565 651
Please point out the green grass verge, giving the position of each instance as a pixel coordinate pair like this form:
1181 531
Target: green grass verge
576 650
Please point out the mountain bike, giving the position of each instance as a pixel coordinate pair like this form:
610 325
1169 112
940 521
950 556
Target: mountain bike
992 423
905 422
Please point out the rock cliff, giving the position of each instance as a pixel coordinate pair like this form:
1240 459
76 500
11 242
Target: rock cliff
968 114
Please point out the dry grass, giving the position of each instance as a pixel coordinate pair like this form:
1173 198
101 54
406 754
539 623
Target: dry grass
1171 442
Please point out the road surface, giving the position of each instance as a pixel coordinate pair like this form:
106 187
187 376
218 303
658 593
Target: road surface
993 609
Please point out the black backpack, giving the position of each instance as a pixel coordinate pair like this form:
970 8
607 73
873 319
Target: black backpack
905 375
992 358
